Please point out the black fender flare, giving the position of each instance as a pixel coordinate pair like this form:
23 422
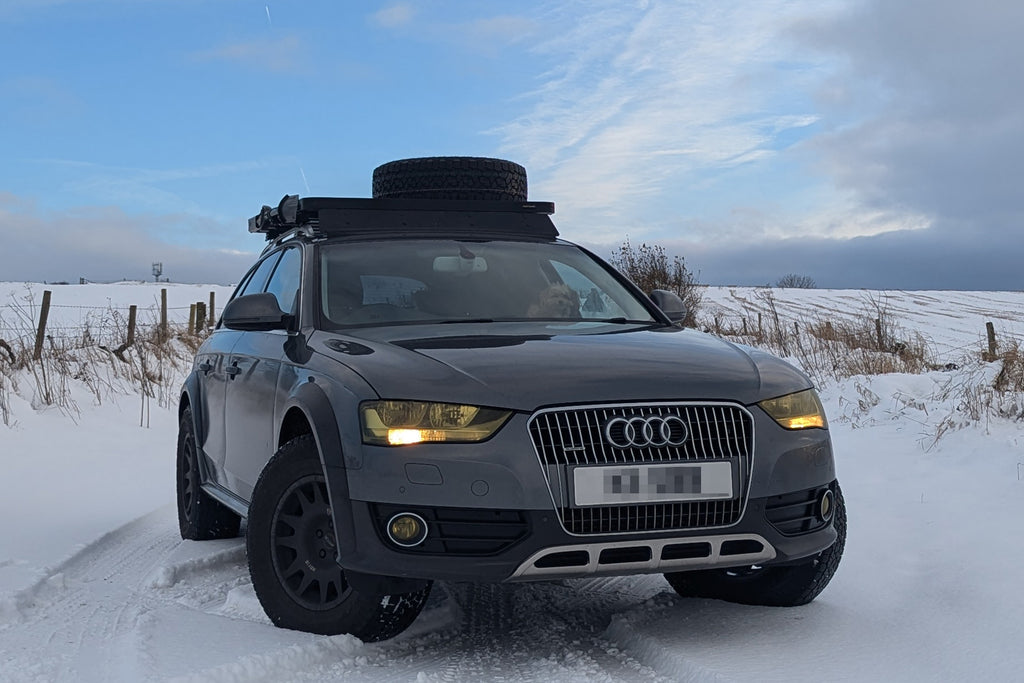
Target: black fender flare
190 391
311 399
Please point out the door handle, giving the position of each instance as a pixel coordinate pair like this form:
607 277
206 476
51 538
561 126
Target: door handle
206 366
232 370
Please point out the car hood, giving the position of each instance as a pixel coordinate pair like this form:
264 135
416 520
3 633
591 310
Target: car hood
528 366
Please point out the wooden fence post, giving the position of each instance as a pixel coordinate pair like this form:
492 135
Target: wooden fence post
192 319
44 313
878 334
132 310
163 315
991 330
200 317
212 317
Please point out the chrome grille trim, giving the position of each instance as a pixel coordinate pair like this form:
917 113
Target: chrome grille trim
571 436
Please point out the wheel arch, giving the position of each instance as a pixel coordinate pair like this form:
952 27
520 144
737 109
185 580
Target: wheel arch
309 408
309 411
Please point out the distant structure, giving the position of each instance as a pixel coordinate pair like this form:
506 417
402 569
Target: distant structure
158 270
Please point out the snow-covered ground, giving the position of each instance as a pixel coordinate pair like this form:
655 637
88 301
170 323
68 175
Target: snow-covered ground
96 585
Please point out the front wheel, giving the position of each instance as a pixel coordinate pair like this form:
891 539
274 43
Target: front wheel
785 586
292 548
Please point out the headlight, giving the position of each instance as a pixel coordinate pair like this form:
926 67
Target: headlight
399 423
801 410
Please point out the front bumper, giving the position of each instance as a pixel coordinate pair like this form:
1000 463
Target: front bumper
532 545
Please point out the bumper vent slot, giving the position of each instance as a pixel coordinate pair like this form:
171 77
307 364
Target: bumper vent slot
685 551
743 547
625 555
579 558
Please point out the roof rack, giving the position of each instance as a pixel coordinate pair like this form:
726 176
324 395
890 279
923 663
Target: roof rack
355 216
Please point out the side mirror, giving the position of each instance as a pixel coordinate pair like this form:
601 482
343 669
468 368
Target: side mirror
255 312
670 304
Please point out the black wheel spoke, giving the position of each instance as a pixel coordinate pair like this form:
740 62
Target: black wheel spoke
293 521
294 568
304 546
307 579
287 542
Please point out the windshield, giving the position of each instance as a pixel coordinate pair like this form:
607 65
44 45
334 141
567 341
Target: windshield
388 282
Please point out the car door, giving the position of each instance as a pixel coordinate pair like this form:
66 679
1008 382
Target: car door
211 363
254 368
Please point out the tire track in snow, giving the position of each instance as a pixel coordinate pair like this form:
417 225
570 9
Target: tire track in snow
87 606
109 612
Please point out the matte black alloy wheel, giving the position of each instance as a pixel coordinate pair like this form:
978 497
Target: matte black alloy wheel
292 547
200 517
304 546
188 479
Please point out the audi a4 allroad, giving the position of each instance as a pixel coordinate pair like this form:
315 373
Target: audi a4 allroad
431 385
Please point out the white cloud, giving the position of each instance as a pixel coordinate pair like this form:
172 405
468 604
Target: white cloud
395 16
652 97
105 244
279 55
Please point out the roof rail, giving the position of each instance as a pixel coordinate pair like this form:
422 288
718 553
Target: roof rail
359 216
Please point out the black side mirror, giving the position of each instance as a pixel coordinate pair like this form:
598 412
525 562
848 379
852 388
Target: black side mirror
255 312
670 304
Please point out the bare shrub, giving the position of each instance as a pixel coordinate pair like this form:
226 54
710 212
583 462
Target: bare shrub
649 268
792 280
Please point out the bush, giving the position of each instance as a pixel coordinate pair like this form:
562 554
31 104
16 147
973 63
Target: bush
648 267
795 281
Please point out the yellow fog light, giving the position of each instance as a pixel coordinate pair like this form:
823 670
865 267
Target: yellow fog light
801 410
407 529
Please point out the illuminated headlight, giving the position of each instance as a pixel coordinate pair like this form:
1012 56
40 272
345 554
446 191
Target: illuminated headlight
801 410
400 423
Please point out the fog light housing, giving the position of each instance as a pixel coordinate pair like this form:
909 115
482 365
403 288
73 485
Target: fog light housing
407 529
826 505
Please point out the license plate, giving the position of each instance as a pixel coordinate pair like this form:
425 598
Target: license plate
652 483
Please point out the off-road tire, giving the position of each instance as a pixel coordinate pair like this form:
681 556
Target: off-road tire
785 586
200 517
290 542
450 178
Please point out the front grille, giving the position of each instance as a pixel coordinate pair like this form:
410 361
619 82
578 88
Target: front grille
566 438
467 532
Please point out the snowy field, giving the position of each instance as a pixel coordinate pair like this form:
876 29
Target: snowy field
96 585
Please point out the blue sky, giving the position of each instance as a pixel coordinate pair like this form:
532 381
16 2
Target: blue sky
861 142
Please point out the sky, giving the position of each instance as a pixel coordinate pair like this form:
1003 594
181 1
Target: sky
862 143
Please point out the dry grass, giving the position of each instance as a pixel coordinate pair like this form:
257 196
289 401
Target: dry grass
93 360
869 343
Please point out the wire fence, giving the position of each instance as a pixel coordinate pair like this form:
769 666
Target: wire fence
24 324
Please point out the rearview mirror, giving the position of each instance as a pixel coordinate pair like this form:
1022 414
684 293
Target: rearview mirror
458 264
255 312
670 304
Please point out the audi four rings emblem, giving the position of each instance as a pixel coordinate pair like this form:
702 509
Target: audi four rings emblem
640 432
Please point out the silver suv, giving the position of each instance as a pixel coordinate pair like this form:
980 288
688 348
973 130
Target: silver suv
431 385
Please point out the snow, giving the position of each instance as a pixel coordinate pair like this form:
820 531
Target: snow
96 584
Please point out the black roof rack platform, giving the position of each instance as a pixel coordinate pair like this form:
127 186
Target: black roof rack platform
356 216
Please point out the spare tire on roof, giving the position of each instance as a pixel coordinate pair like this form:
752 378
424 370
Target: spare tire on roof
450 178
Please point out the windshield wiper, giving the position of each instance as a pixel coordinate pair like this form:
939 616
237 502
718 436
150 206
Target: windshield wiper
464 320
619 321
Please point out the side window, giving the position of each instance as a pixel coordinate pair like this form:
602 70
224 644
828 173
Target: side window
258 281
284 283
